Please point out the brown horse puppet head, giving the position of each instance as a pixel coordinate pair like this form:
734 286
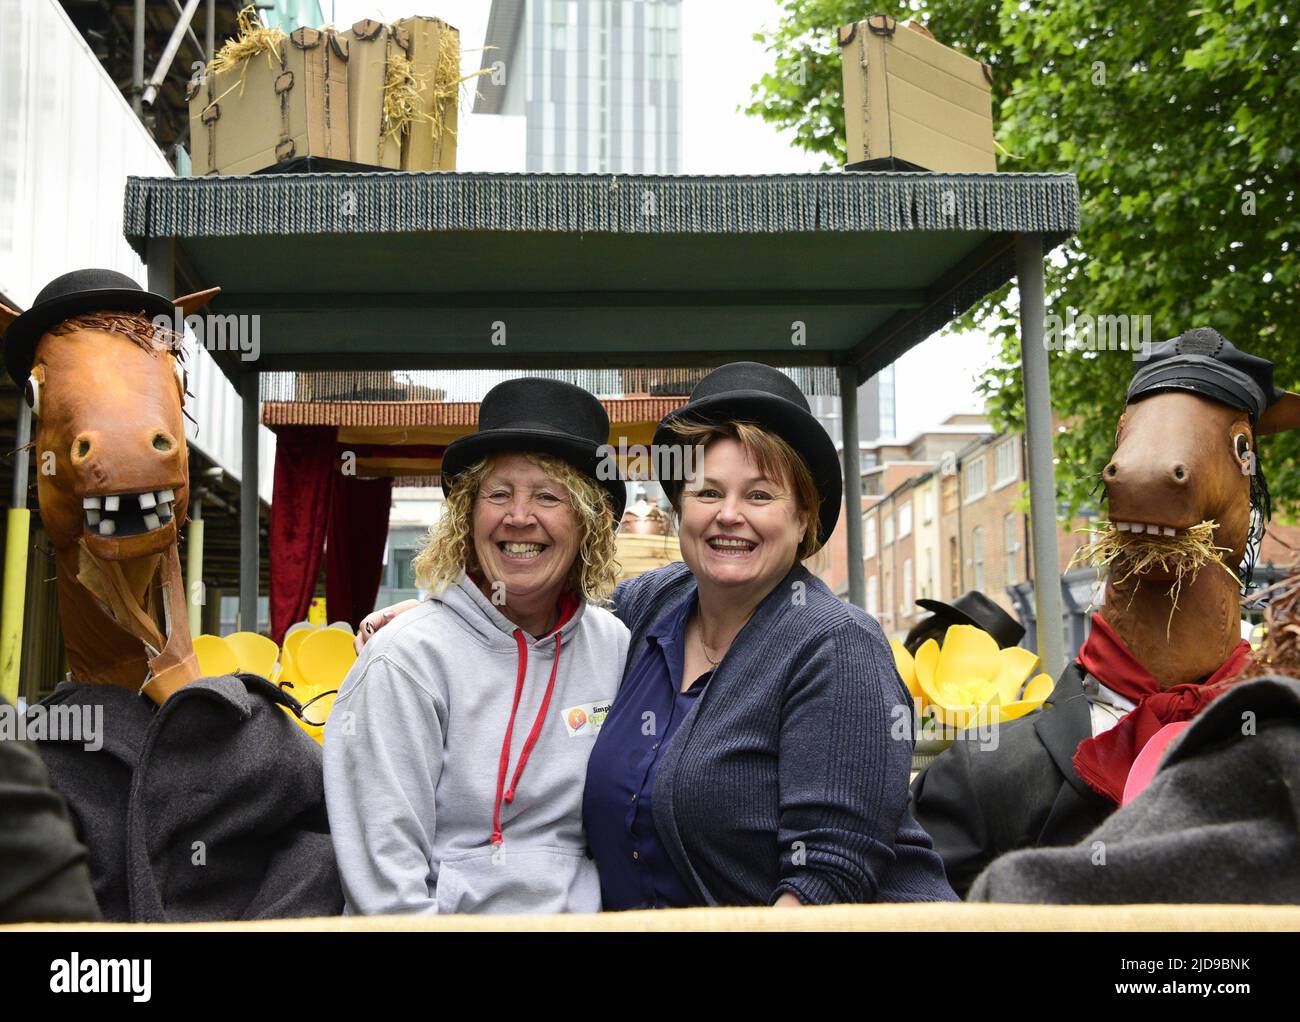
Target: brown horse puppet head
106 385
1187 498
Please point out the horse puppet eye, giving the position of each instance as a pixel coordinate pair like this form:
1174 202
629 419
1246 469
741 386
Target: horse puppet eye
1241 444
32 392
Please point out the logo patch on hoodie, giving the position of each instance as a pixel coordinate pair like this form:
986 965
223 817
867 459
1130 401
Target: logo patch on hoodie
585 718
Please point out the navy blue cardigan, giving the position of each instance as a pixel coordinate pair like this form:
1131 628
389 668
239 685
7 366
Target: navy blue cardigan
790 773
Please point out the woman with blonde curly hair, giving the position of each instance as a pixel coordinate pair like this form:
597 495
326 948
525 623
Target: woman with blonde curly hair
457 747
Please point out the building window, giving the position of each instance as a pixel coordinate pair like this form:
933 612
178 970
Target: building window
873 596
927 587
927 506
1010 536
1004 463
905 520
906 608
973 483
977 556
871 540
888 424
954 568
889 530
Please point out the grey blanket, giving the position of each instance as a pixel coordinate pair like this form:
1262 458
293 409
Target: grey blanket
209 807
1219 822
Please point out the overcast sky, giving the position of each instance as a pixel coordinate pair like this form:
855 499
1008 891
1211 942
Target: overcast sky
720 61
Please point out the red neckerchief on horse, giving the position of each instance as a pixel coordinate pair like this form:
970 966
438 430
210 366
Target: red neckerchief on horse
1104 761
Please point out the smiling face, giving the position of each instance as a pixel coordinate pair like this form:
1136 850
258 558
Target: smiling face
739 528
525 529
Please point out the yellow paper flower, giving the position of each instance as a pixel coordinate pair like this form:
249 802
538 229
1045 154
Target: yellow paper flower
969 681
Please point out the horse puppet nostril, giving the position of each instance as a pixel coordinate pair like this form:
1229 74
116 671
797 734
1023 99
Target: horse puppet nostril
1180 473
163 442
81 448
1111 471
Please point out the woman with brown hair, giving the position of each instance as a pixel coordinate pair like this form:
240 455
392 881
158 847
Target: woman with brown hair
753 755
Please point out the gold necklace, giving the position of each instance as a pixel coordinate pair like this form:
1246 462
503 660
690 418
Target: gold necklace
699 636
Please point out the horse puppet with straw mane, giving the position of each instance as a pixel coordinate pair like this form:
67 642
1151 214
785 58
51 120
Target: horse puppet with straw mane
1187 505
197 798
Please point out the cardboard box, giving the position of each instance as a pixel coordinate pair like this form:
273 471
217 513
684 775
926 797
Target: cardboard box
371 45
273 107
909 100
424 148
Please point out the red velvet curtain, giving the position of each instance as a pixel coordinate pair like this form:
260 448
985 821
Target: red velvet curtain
306 472
354 552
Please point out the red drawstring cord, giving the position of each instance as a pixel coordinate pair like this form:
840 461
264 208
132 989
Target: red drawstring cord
533 735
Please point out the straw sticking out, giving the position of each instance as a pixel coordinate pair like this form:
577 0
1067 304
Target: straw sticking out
401 99
1129 554
251 39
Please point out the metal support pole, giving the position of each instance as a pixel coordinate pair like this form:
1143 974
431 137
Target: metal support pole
852 484
195 590
210 37
249 554
17 537
137 60
160 267
1038 443
169 51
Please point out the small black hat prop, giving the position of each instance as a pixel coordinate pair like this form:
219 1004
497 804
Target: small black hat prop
543 417
752 392
1205 362
75 293
972 608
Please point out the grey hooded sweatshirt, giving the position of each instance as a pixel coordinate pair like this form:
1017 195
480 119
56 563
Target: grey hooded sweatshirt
424 751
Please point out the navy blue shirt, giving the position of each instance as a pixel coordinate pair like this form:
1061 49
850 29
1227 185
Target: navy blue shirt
617 806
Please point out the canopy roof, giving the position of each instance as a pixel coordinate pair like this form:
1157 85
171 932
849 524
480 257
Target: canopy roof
460 270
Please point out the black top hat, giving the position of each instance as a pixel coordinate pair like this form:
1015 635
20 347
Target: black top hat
752 392
972 608
546 417
1205 362
71 295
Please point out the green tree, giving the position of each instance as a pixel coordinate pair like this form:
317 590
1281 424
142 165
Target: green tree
1180 126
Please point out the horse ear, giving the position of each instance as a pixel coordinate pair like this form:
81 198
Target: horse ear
196 301
7 316
1282 416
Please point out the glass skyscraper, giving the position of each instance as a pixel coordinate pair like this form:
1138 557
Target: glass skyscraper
598 82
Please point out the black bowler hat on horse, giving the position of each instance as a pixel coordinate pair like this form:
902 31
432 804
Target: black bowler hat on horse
752 392
74 294
543 417
71 295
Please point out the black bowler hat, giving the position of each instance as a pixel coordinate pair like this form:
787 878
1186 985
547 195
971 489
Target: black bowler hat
71 295
1205 362
972 608
752 392
545 417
